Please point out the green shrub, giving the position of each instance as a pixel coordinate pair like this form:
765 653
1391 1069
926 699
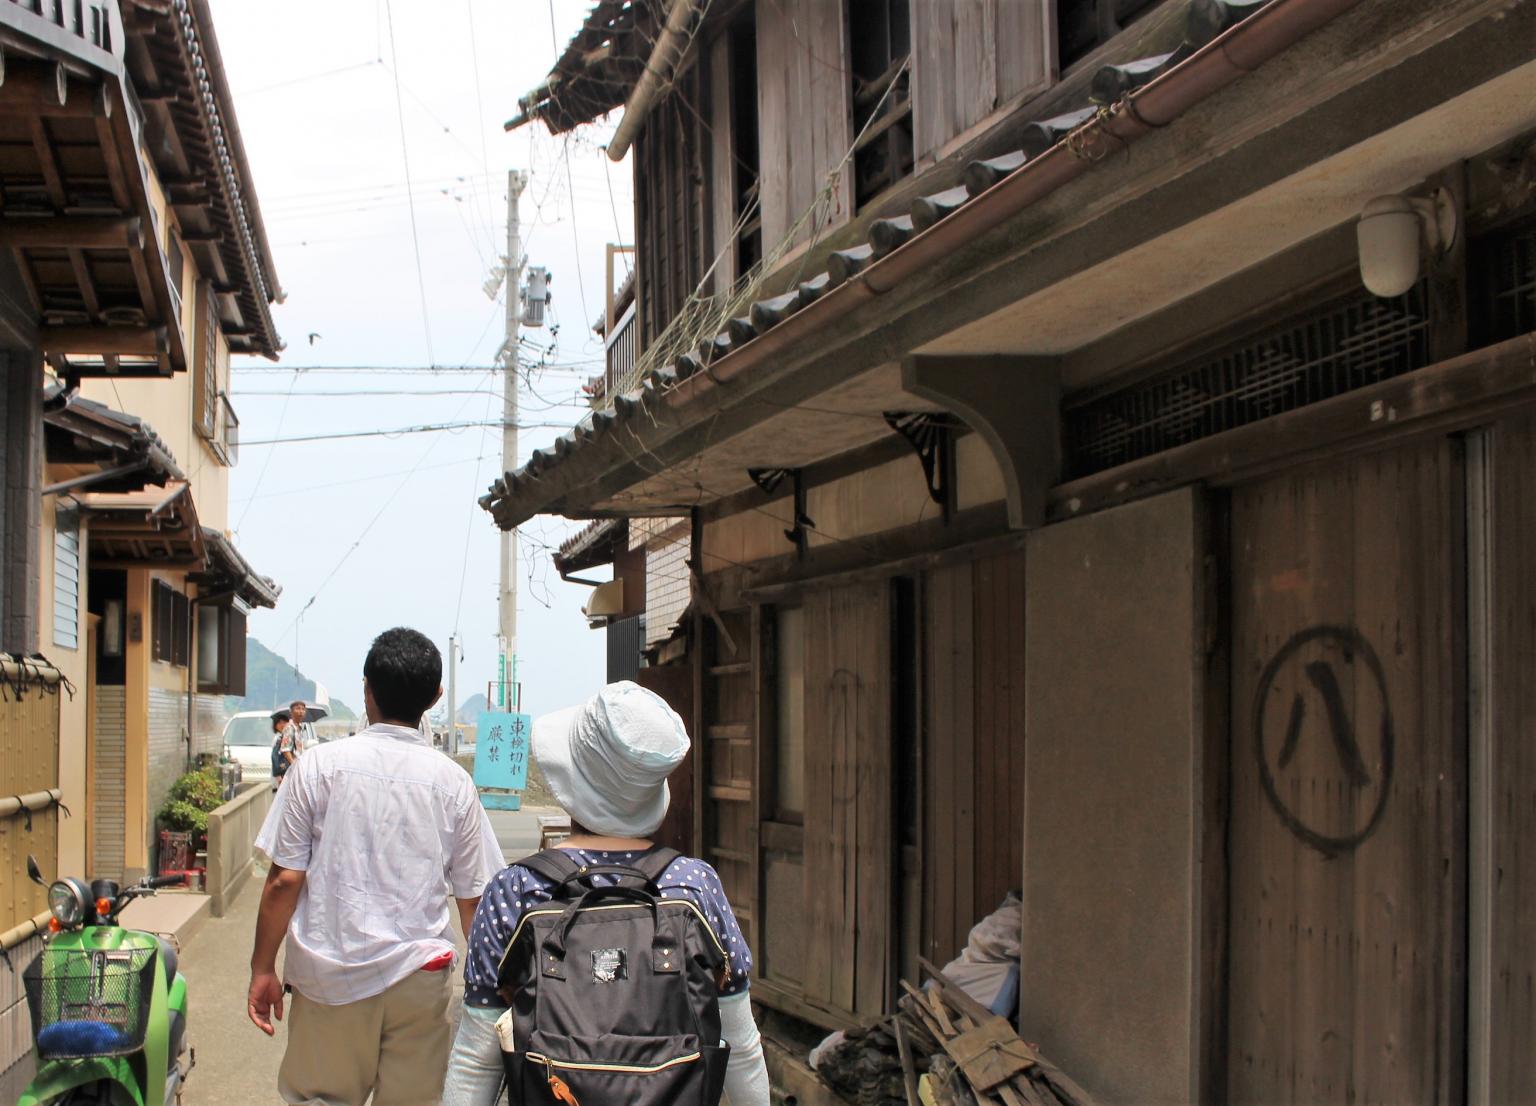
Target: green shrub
184 817
192 797
201 789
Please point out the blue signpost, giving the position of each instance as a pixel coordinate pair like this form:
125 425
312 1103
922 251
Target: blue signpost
501 758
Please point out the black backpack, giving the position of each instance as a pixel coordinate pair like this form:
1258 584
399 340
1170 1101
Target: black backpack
279 762
614 991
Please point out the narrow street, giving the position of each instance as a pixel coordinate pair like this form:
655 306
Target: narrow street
236 1065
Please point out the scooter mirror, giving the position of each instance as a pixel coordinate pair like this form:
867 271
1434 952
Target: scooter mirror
34 872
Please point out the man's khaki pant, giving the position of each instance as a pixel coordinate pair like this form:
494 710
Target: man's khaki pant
394 1045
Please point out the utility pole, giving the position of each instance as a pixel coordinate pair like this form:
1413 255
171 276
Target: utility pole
507 674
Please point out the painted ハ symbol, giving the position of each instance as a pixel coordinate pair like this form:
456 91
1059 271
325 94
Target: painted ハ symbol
1316 823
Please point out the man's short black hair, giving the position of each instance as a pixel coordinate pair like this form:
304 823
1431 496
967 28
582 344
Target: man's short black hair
404 670
298 703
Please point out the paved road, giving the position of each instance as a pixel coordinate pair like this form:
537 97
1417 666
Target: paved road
236 1064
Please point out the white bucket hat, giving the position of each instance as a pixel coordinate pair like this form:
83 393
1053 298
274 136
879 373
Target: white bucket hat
607 761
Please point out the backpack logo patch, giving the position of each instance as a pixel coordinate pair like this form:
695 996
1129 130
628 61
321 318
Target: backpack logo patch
609 965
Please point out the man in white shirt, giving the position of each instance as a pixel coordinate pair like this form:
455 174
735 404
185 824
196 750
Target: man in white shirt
369 838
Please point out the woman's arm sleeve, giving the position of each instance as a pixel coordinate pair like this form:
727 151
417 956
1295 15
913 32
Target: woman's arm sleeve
746 1073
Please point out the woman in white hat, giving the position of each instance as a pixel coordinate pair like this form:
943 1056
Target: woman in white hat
607 762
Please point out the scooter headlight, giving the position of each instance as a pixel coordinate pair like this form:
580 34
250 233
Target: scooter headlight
67 902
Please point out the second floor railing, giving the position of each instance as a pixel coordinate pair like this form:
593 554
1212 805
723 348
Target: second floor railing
621 359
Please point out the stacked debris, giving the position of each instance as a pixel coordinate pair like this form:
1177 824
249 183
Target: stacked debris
943 1048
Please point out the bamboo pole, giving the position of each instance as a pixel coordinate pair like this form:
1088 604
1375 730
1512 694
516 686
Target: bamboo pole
24 932
23 670
12 805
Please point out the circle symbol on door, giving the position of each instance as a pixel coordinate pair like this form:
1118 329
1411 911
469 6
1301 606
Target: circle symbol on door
1324 739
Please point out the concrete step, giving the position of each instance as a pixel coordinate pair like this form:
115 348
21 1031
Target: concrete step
179 913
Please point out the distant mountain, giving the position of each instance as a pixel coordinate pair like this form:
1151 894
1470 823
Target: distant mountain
271 682
469 710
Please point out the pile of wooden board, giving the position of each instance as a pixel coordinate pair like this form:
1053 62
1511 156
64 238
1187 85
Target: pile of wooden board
971 1055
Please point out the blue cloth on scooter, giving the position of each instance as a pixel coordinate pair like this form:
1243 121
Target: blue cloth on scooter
83 1038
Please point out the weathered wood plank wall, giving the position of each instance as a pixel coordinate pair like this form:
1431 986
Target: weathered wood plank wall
1511 964
803 116
974 748
971 57
729 753
849 838
1348 818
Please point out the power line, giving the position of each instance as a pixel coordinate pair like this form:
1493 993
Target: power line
359 480
485 157
267 463
401 431
405 155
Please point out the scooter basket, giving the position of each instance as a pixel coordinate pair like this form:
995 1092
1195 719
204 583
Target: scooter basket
89 1002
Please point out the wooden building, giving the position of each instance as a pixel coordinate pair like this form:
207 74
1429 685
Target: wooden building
1067 515
133 264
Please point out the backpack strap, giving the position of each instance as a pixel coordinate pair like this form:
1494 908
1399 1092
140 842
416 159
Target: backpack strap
555 865
653 864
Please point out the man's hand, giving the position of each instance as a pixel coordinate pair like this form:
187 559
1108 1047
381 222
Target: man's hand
265 1000
278 899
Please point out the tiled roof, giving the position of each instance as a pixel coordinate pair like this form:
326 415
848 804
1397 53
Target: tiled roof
82 430
228 569
592 545
1115 92
178 38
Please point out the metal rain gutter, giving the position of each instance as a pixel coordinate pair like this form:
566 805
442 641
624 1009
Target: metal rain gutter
1219 63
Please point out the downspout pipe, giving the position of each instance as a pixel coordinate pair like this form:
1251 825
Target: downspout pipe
658 69
1219 63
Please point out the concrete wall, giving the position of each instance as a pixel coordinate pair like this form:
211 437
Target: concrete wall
16 1059
108 784
167 749
1114 721
231 843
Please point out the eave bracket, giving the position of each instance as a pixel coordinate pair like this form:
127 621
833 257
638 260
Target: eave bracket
1014 404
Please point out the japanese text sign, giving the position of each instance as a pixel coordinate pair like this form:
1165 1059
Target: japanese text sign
501 750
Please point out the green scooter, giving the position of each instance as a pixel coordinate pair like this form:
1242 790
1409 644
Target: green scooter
109 1009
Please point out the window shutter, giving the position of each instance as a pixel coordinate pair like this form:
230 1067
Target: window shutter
66 578
234 651
181 629
206 380
160 629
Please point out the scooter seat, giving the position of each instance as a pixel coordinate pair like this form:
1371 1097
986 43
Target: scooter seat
82 1038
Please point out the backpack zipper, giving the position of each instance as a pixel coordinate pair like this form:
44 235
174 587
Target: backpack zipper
547 912
630 1069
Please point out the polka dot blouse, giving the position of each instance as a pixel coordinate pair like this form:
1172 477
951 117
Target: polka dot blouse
515 890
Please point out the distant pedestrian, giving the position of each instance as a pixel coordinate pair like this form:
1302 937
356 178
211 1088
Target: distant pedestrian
280 760
293 733
369 840
607 763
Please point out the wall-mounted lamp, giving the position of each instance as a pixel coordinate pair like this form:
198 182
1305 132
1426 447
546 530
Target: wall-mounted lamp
1390 233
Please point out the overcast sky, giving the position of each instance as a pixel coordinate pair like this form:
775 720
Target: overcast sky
384 530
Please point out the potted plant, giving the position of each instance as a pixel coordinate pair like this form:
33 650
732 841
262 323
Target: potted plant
184 818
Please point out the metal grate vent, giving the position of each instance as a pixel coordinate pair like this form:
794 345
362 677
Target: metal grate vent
1504 271
1342 346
